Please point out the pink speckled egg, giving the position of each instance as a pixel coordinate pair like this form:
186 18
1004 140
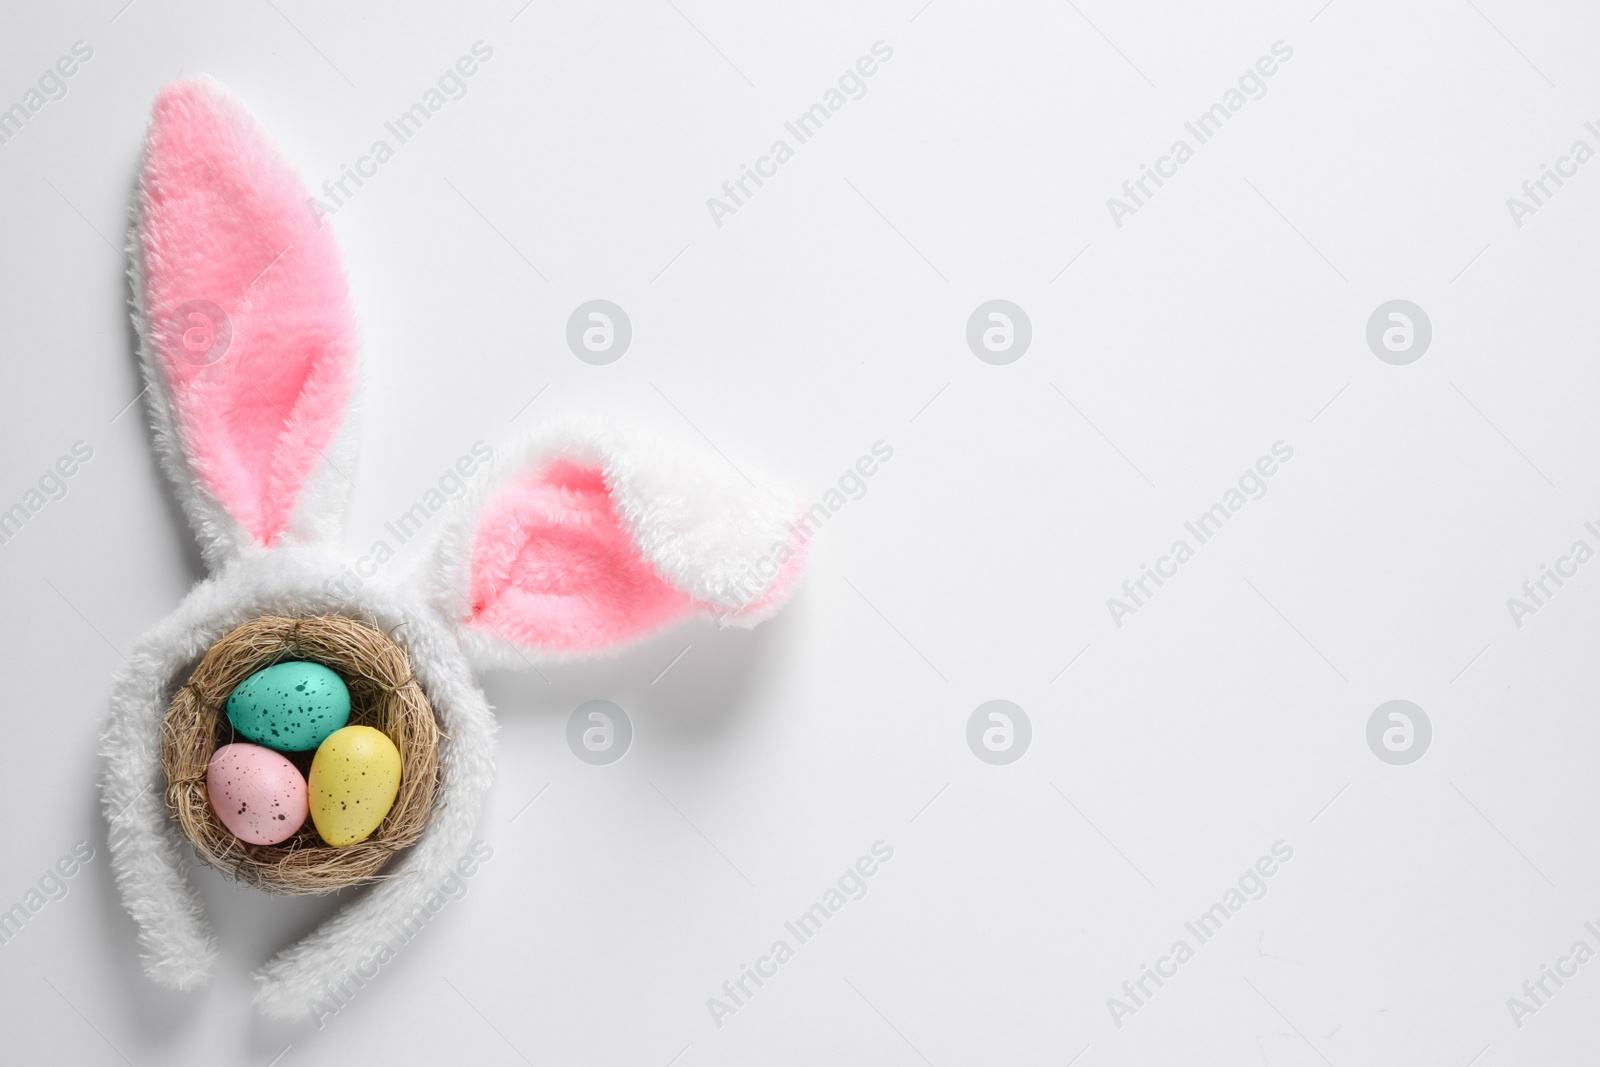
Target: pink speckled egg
259 796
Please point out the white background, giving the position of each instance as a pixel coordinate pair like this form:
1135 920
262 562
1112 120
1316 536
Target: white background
1227 314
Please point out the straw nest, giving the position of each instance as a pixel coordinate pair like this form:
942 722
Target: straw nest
383 694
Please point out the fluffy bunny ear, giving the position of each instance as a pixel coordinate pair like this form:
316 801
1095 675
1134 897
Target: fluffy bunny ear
580 540
247 339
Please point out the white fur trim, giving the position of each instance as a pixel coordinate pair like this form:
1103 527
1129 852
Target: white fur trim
697 520
221 538
319 510
700 524
147 853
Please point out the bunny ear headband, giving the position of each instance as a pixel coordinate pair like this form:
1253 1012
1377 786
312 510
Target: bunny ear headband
576 540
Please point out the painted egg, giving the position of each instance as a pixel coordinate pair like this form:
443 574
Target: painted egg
354 778
290 706
257 793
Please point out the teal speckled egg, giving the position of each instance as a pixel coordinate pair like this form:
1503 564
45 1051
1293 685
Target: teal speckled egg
290 706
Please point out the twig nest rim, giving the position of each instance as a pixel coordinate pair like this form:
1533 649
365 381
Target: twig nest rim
383 694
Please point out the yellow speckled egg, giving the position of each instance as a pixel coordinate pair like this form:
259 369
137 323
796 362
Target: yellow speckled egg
354 778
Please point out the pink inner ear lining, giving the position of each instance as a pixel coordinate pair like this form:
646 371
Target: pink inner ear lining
552 566
224 219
